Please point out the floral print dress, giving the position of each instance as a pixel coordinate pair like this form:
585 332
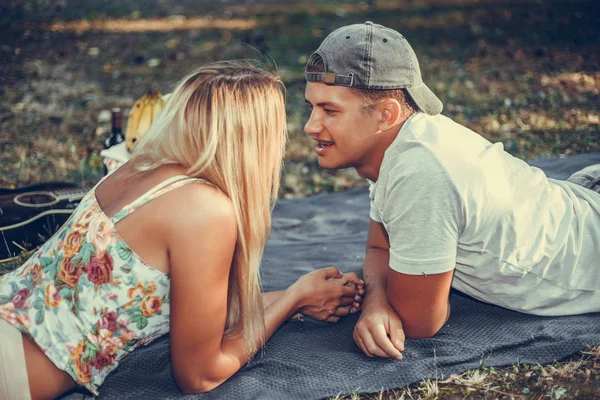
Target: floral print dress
85 297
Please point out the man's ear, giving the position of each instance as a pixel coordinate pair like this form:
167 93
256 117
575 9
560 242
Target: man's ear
391 114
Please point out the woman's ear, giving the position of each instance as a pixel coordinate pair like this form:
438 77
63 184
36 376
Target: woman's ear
391 114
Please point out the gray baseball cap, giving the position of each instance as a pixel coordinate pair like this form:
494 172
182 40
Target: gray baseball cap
371 56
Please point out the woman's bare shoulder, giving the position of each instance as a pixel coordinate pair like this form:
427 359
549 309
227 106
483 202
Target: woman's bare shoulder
201 207
202 228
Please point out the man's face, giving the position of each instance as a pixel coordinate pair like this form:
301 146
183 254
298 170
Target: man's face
344 130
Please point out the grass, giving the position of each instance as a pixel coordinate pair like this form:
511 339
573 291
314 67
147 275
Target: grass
525 73
577 378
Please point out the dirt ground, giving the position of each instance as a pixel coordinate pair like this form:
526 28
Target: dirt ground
524 73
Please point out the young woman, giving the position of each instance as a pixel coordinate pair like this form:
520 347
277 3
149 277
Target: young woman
169 242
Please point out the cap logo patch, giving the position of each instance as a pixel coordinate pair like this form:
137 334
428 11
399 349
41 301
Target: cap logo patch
329 78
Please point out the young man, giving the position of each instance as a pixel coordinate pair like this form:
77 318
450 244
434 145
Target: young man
448 208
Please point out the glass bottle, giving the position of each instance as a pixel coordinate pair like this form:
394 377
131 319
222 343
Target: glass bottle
116 132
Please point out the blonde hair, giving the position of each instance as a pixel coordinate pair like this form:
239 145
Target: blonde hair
226 122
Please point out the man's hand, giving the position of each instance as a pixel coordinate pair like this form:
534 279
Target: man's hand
379 331
327 295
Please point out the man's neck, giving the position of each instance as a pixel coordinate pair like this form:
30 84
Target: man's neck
372 164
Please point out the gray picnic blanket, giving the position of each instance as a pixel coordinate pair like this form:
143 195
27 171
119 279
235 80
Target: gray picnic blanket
312 360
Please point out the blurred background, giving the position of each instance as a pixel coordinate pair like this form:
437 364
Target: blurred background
526 73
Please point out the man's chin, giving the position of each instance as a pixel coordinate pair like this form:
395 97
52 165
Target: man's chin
325 164
330 164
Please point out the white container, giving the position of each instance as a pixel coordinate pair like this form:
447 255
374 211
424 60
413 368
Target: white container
115 156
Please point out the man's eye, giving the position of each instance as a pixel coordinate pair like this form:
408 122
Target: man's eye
328 111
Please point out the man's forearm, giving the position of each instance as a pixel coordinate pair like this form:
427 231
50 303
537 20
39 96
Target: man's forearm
378 331
375 271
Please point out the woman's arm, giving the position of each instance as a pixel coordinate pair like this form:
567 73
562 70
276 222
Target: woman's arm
316 294
202 238
269 298
347 279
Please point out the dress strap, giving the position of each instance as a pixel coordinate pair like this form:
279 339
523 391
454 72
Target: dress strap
160 189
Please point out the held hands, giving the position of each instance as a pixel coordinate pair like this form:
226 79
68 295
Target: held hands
327 295
379 331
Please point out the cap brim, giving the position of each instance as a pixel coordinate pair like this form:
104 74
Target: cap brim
425 99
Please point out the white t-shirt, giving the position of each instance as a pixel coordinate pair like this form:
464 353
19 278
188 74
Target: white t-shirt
448 198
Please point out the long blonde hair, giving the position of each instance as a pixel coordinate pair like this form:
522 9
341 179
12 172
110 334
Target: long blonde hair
226 122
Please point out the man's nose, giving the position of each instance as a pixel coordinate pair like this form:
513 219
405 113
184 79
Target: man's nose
313 125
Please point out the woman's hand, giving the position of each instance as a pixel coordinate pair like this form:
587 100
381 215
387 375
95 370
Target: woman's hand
327 294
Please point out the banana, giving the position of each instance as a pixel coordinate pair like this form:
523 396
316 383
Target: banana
158 105
143 112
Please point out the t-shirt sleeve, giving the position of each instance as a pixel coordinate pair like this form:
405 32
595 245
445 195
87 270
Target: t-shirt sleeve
422 215
374 214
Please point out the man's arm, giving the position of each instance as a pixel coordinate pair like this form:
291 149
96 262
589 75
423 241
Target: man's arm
377 261
397 305
421 301
408 273
378 332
